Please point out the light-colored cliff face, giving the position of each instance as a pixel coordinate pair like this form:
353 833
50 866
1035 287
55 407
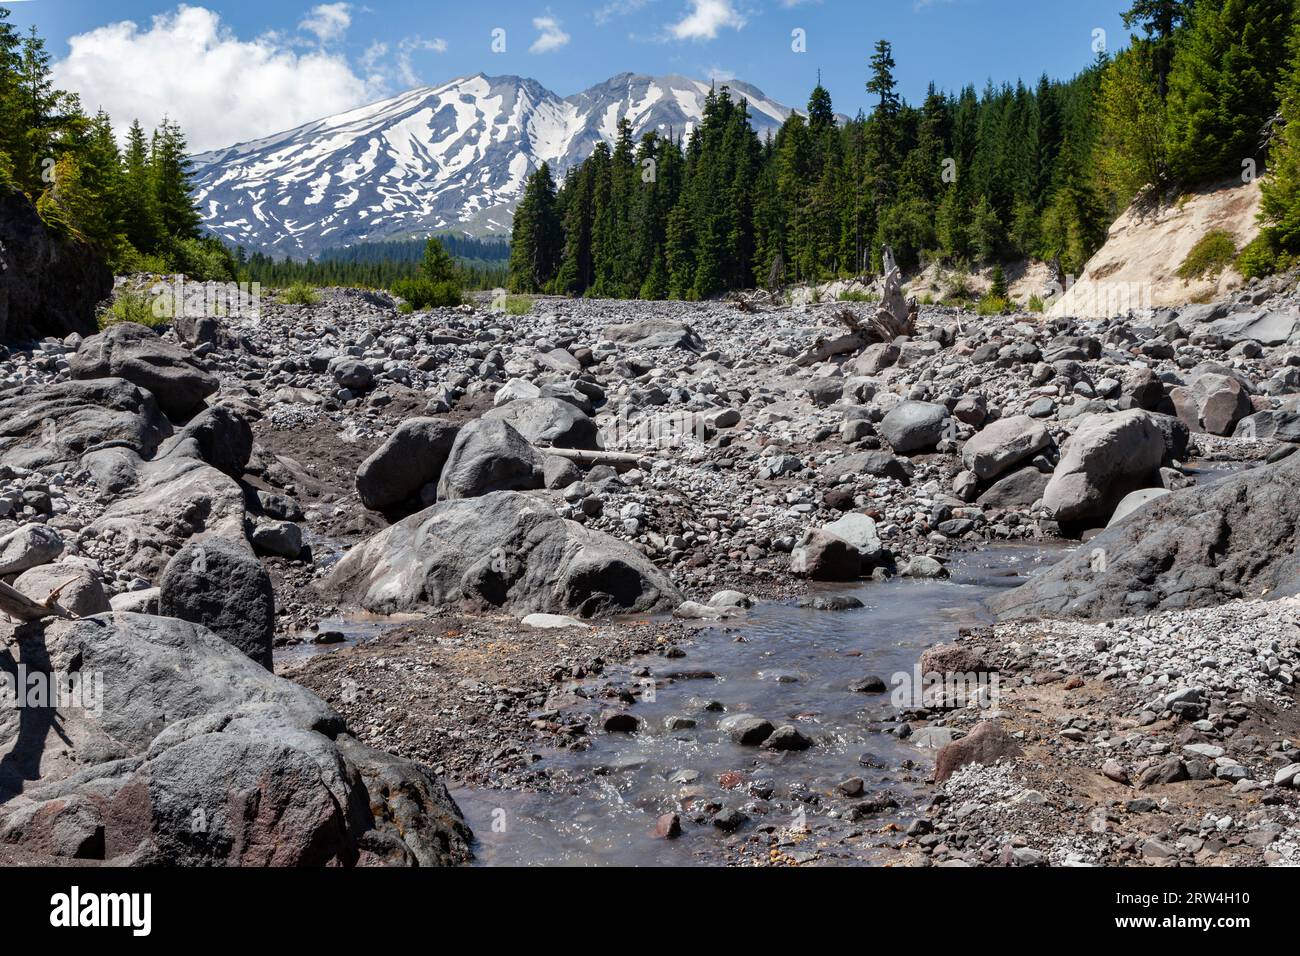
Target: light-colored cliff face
1138 266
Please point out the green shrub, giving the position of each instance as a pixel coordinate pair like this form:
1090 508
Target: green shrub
424 293
958 289
518 304
300 293
132 307
203 260
1259 258
1213 253
858 295
992 305
1035 304
128 259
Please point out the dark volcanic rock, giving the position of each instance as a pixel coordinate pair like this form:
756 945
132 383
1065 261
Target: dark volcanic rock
133 352
220 436
550 421
217 583
64 420
48 285
412 457
199 757
504 550
1239 537
489 456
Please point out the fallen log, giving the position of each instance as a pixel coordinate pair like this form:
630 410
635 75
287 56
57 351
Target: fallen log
621 461
829 348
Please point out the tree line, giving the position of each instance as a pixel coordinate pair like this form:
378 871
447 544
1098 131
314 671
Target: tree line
481 264
970 178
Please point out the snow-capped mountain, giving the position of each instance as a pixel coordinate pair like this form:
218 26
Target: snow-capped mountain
452 157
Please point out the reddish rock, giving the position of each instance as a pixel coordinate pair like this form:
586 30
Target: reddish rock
953 659
668 827
731 780
988 743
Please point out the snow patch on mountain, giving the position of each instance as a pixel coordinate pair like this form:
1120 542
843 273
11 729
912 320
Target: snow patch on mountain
434 159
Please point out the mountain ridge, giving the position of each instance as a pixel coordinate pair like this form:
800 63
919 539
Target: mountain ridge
452 157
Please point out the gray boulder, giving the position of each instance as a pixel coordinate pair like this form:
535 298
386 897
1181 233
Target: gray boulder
1005 444
1275 425
170 500
503 550
135 353
282 539
550 421
1266 328
1018 490
412 457
1236 538
1107 457
217 435
914 426
1213 403
58 423
29 546
222 586
74 588
489 455
198 757
655 334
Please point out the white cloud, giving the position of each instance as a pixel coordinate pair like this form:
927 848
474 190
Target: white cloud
550 37
397 67
221 89
705 19
618 8
329 21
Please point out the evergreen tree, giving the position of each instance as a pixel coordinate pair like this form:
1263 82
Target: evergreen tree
1131 149
1221 88
1281 188
1159 20
171 172
438 265
536 239
140 219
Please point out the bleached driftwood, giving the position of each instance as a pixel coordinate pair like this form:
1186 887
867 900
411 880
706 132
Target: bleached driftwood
621 461
22 608
896 315
824 349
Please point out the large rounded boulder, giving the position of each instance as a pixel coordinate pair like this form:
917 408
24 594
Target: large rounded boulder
504 550
133 352
221 585
412 457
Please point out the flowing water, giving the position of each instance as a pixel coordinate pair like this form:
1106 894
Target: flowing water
788 664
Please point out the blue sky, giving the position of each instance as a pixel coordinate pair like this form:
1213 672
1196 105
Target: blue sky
244 69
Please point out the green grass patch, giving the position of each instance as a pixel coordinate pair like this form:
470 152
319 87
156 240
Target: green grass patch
858 295
1215 251
1035 304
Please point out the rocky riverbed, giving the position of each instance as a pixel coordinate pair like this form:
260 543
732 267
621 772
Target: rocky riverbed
474 549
